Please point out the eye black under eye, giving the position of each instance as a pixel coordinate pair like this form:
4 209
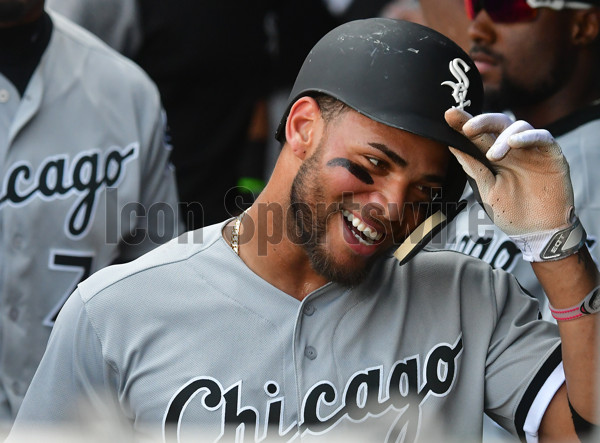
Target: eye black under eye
355 169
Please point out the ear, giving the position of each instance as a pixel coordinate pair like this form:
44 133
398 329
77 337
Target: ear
586 26
304 126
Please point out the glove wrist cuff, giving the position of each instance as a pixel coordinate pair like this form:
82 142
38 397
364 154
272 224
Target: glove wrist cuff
551 245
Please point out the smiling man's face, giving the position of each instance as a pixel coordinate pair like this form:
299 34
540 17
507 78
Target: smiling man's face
363 190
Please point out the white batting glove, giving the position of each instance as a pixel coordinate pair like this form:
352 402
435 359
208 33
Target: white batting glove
529 195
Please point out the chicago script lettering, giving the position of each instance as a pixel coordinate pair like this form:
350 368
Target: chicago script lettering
57 177
366 394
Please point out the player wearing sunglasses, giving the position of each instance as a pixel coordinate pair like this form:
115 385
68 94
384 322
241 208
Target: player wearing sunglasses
513 11
540 60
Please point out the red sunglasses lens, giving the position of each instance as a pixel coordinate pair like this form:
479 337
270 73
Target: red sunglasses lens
502 11
472 8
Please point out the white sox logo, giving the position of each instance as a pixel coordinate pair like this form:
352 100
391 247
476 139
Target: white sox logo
460 88
58 177
366 394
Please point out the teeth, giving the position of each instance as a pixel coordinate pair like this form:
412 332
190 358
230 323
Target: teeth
368 231
361 240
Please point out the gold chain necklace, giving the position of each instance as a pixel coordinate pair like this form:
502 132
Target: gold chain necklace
235 233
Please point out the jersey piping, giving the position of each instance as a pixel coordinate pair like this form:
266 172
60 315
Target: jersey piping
534 388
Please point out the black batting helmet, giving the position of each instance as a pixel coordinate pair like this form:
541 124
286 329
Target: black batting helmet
401 74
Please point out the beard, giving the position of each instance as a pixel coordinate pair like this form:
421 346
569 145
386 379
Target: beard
307 225
512 94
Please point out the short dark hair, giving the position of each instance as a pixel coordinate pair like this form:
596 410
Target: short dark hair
329 106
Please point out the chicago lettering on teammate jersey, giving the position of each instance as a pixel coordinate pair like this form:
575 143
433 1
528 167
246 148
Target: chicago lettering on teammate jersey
366 394
59 176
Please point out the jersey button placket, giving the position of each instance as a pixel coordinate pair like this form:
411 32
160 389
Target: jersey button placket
13 314
309 309
310 352
17 389
4 95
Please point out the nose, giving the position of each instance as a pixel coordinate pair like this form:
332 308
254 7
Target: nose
481 30
390 201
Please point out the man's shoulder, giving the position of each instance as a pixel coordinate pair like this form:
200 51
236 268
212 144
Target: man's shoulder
450 259
95 58
434 276
581 132
436 263
578 128
159 268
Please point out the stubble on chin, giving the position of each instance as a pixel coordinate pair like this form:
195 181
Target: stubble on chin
307 226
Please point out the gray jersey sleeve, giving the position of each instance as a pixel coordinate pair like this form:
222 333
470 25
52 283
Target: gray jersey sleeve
77 370
115 21
158 217
517 342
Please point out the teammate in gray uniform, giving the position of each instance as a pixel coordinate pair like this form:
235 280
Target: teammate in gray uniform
85 176
116 22
295 320
559 92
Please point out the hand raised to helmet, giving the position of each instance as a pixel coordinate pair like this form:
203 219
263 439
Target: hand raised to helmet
529 194
530 190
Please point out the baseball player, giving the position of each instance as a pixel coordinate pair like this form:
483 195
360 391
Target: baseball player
85 176
294 320
116 22
558 94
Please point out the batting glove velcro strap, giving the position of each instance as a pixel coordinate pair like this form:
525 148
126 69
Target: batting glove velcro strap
589 305
551 245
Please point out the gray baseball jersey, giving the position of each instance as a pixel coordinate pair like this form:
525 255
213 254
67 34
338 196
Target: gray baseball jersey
475 234
116 22
187 342
85 174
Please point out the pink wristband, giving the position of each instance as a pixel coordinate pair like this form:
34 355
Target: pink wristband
589 305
